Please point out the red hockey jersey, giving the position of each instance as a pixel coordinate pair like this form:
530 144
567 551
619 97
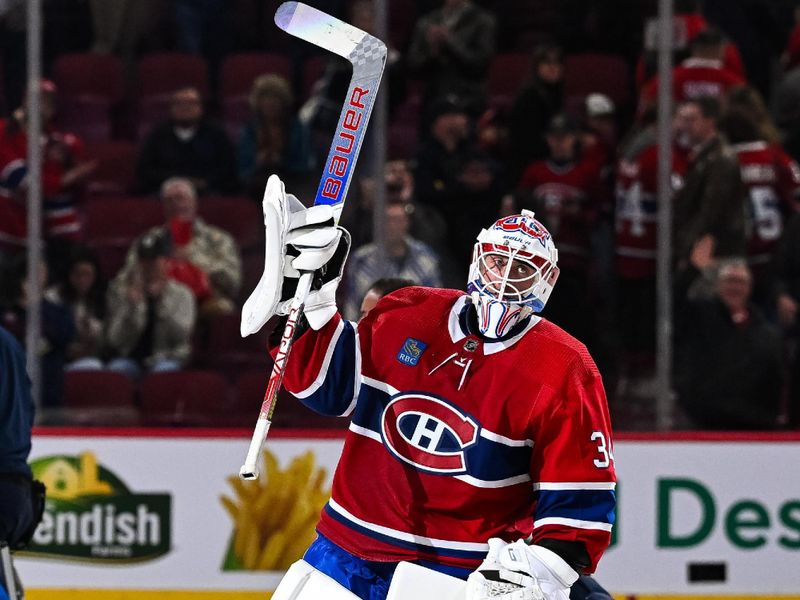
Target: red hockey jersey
772 180
453 439
694 78
60 152
636 212
567 200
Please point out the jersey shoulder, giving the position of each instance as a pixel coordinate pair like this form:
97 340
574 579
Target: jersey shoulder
415 305
559 352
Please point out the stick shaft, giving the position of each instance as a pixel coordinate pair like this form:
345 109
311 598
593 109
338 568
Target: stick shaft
249 469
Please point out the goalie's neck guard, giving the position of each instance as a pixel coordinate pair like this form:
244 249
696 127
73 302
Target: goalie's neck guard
512 274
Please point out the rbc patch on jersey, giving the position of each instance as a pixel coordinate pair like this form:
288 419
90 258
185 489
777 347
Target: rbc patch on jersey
411 351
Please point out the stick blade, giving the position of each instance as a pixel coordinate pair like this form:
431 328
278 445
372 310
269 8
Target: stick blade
318 28
284 14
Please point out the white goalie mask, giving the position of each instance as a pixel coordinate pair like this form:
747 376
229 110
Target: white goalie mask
512 274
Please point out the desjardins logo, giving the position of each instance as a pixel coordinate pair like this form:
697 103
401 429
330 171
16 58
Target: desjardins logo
91 515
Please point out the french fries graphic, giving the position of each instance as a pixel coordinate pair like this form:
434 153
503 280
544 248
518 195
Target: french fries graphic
274 517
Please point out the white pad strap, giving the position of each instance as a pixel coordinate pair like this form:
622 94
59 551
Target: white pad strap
303 582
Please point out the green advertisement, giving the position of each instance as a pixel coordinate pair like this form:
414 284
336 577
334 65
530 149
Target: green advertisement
91 515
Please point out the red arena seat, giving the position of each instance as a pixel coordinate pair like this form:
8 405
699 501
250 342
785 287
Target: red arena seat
184 398
99 398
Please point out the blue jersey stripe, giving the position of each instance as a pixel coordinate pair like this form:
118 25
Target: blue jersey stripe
486 460
583 505
336 393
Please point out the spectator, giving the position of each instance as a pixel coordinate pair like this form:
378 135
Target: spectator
712 201
443 153
188 145
202 257
379 289
772 181
636 215
702 74
451 48
748 99
83 294
688 22
274 141
728 367
151 317
566 194
599 137
56 333
787 263
120 25
405 258
537 103
64 171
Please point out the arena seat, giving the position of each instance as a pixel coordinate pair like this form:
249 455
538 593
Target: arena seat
507 74
241 217
604 73
89 74
240 70
116 169
99 398
162 73
184 398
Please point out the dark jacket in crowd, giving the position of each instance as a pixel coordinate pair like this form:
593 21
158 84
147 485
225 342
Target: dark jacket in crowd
712 201
533 109
208 155
728 376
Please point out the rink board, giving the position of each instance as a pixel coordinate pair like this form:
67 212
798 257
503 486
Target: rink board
700 516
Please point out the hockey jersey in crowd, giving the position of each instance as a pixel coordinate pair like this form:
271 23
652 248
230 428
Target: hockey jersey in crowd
694 78
454 439
636 212
61 151
772 179
567 200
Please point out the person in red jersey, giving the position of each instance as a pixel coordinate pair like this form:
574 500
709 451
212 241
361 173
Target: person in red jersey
479 437
702 74
567 194
636 218
64 169
772 180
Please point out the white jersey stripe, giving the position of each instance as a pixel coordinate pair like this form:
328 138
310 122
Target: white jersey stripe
408 537
574 485
326 362
576 523
365 432
480 483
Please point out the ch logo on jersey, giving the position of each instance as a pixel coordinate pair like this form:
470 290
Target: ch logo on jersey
411 351
428 433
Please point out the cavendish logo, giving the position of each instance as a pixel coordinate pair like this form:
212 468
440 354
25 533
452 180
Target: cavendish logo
411 351
91 515
428 433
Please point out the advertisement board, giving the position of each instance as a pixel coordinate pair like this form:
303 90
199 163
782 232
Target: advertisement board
155 511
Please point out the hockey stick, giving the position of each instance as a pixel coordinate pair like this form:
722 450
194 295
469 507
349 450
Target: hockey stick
367 54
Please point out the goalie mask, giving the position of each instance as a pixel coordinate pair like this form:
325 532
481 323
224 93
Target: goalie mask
512 274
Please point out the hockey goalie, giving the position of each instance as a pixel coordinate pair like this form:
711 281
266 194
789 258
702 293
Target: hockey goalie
478 462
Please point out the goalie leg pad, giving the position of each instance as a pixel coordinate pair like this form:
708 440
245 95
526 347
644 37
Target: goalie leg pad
415 581
303 582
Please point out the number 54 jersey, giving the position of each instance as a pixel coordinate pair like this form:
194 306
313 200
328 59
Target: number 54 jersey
455 439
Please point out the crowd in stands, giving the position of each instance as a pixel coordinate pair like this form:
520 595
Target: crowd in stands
163 120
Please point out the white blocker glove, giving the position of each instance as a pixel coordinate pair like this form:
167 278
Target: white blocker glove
296 239
519 571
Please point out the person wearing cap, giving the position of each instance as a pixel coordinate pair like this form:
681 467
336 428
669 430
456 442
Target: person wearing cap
64 170
566 193
151 317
